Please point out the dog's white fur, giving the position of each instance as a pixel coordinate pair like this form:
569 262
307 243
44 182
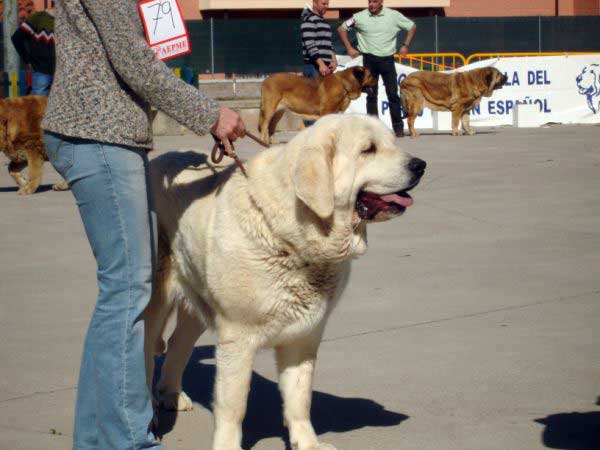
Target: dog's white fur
263 259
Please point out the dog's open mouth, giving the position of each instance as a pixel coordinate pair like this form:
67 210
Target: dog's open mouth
374 207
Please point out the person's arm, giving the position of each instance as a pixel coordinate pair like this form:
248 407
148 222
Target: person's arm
343 33
19 40
135 62
404 23
307 31
409 37
333 65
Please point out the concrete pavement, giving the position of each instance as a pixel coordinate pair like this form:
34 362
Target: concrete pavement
471 324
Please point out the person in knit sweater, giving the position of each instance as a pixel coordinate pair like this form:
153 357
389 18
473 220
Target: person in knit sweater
98 132
34 42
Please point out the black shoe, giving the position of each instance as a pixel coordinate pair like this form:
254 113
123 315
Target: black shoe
399 133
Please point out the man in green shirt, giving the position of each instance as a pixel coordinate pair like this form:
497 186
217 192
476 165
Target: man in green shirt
376 30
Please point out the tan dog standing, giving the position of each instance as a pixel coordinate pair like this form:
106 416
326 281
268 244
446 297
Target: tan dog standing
311 97
264 259
22 141
457 92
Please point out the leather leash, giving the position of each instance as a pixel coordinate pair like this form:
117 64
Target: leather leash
219 151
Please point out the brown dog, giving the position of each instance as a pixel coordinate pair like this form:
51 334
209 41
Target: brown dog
21 140
457 92
311 97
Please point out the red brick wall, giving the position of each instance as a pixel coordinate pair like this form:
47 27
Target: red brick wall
585 7
458 8
478 8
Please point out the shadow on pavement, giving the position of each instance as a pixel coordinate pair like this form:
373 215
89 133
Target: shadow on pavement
572 430
264 419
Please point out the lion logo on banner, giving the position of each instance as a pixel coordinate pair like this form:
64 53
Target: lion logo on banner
588 82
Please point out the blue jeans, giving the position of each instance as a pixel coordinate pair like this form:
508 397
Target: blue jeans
310 71
111 186
41 83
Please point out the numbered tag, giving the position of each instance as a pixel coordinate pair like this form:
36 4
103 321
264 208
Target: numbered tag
165 28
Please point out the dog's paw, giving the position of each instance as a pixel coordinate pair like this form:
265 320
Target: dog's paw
176 401
470 132
62 186
25 190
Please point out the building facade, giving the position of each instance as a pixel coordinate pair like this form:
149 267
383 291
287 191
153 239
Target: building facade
198 9
239 9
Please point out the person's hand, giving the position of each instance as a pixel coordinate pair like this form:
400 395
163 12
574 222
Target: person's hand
403 50
228 127
333 65
324 69
353 53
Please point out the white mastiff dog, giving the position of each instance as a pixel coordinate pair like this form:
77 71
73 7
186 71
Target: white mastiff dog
264 259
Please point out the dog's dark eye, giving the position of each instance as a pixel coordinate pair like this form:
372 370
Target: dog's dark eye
371 149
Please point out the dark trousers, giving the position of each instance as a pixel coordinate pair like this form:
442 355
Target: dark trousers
384 66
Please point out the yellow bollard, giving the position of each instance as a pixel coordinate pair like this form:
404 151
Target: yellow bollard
14 84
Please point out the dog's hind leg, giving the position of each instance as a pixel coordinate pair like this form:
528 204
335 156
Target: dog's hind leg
456 115
155 318
181 343
158 310
268 108
413 107
15 170
274 121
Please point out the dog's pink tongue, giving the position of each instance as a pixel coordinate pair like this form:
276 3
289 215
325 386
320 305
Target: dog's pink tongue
399 200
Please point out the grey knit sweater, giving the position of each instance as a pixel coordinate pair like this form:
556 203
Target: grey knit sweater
107 77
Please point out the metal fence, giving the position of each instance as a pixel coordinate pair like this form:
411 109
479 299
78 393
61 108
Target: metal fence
255 47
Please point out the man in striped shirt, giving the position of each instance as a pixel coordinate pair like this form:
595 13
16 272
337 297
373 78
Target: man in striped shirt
317 49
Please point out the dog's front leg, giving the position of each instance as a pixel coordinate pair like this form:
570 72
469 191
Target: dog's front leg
296 362
465 120
234 370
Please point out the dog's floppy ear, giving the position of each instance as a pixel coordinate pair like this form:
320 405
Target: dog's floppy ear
359 74
313 178
489 78
350 80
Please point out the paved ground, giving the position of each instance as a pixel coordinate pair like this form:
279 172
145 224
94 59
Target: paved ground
473 322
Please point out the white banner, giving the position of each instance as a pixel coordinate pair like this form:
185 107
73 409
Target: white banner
566 89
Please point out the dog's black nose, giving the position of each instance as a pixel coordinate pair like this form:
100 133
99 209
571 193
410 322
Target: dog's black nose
417 166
